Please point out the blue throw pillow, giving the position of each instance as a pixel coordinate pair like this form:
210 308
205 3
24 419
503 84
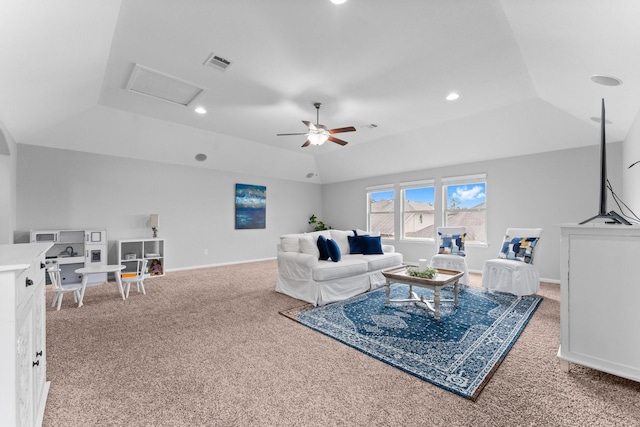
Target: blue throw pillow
334 250
372 245
322 247
356 244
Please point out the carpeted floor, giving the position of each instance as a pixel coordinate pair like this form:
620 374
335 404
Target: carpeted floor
208 347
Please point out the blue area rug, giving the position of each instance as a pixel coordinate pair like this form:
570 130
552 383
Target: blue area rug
459 352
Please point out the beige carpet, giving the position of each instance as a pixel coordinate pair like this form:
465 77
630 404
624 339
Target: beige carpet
208 347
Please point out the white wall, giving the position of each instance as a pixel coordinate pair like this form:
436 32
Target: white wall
7 186
70 189
540 190
631 177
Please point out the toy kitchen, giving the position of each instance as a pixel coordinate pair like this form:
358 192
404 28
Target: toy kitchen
73 249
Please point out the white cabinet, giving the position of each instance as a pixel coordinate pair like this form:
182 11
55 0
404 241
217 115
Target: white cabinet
23 355
600 293
73 249
131 250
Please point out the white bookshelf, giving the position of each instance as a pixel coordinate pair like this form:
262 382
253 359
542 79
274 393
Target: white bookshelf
131 250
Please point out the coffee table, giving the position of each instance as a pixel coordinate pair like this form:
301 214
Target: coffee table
443 278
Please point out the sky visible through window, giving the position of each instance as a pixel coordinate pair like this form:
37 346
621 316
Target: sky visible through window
424 195
467 195
382 195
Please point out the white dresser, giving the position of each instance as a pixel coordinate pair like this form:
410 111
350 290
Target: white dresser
23 384
600 298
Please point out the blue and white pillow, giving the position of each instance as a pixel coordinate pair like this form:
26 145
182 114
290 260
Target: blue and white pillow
518 248
452 244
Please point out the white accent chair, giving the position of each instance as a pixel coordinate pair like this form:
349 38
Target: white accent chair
509 273
451 261
138 279
60 289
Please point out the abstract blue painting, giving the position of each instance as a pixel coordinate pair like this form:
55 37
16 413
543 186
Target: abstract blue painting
251 204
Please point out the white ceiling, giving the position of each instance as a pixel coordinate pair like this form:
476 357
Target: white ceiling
522 68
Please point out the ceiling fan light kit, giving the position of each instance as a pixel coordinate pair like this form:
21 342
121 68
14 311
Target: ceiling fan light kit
319 134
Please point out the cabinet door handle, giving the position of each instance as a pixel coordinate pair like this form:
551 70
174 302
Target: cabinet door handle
39 353
42 265
28 282
36 363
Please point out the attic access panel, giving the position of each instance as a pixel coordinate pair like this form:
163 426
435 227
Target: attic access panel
155 84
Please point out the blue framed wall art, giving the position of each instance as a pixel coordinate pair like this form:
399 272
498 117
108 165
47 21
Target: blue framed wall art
251 206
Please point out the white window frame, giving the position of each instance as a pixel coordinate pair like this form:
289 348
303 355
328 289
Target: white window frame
461 180
409 186
379 189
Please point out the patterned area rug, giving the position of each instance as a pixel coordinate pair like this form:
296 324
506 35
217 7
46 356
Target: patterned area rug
459 353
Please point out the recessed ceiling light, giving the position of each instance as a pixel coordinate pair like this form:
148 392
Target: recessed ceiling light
453 96
201 110
597 120
606 80
338 1
201 157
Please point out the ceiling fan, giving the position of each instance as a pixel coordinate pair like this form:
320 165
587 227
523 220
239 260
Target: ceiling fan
318 134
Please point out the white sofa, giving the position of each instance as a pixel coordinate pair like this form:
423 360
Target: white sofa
302 275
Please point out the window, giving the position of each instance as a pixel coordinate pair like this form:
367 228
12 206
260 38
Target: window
465 205
380 210
418 200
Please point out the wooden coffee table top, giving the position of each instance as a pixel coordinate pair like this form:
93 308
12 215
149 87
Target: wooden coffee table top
444 276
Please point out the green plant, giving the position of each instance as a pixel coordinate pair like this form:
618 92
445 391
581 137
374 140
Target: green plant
427 273
317 225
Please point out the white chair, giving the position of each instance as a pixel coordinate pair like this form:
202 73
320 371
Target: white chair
60 289
513 271
138 279
450 255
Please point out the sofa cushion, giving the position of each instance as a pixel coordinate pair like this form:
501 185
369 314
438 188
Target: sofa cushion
371 245
334 250
309 246
377 262
341 238
290 243
327 270
322 247
316 234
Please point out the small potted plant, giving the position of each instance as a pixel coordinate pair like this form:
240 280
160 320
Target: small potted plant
317 225
427 273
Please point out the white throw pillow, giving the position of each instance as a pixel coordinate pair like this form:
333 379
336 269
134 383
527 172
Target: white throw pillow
290 243
316 234
309 245
342 240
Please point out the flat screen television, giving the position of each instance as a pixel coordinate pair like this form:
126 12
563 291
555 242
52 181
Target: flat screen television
610 217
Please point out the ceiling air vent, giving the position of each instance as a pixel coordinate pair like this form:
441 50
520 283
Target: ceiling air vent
217 62
146 81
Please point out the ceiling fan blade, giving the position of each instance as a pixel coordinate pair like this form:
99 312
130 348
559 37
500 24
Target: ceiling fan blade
308 124
306 143
285 134
337 141
340 130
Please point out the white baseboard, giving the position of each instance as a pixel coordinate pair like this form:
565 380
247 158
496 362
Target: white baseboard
194 267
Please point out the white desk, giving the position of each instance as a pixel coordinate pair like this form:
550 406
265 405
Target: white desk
97 269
